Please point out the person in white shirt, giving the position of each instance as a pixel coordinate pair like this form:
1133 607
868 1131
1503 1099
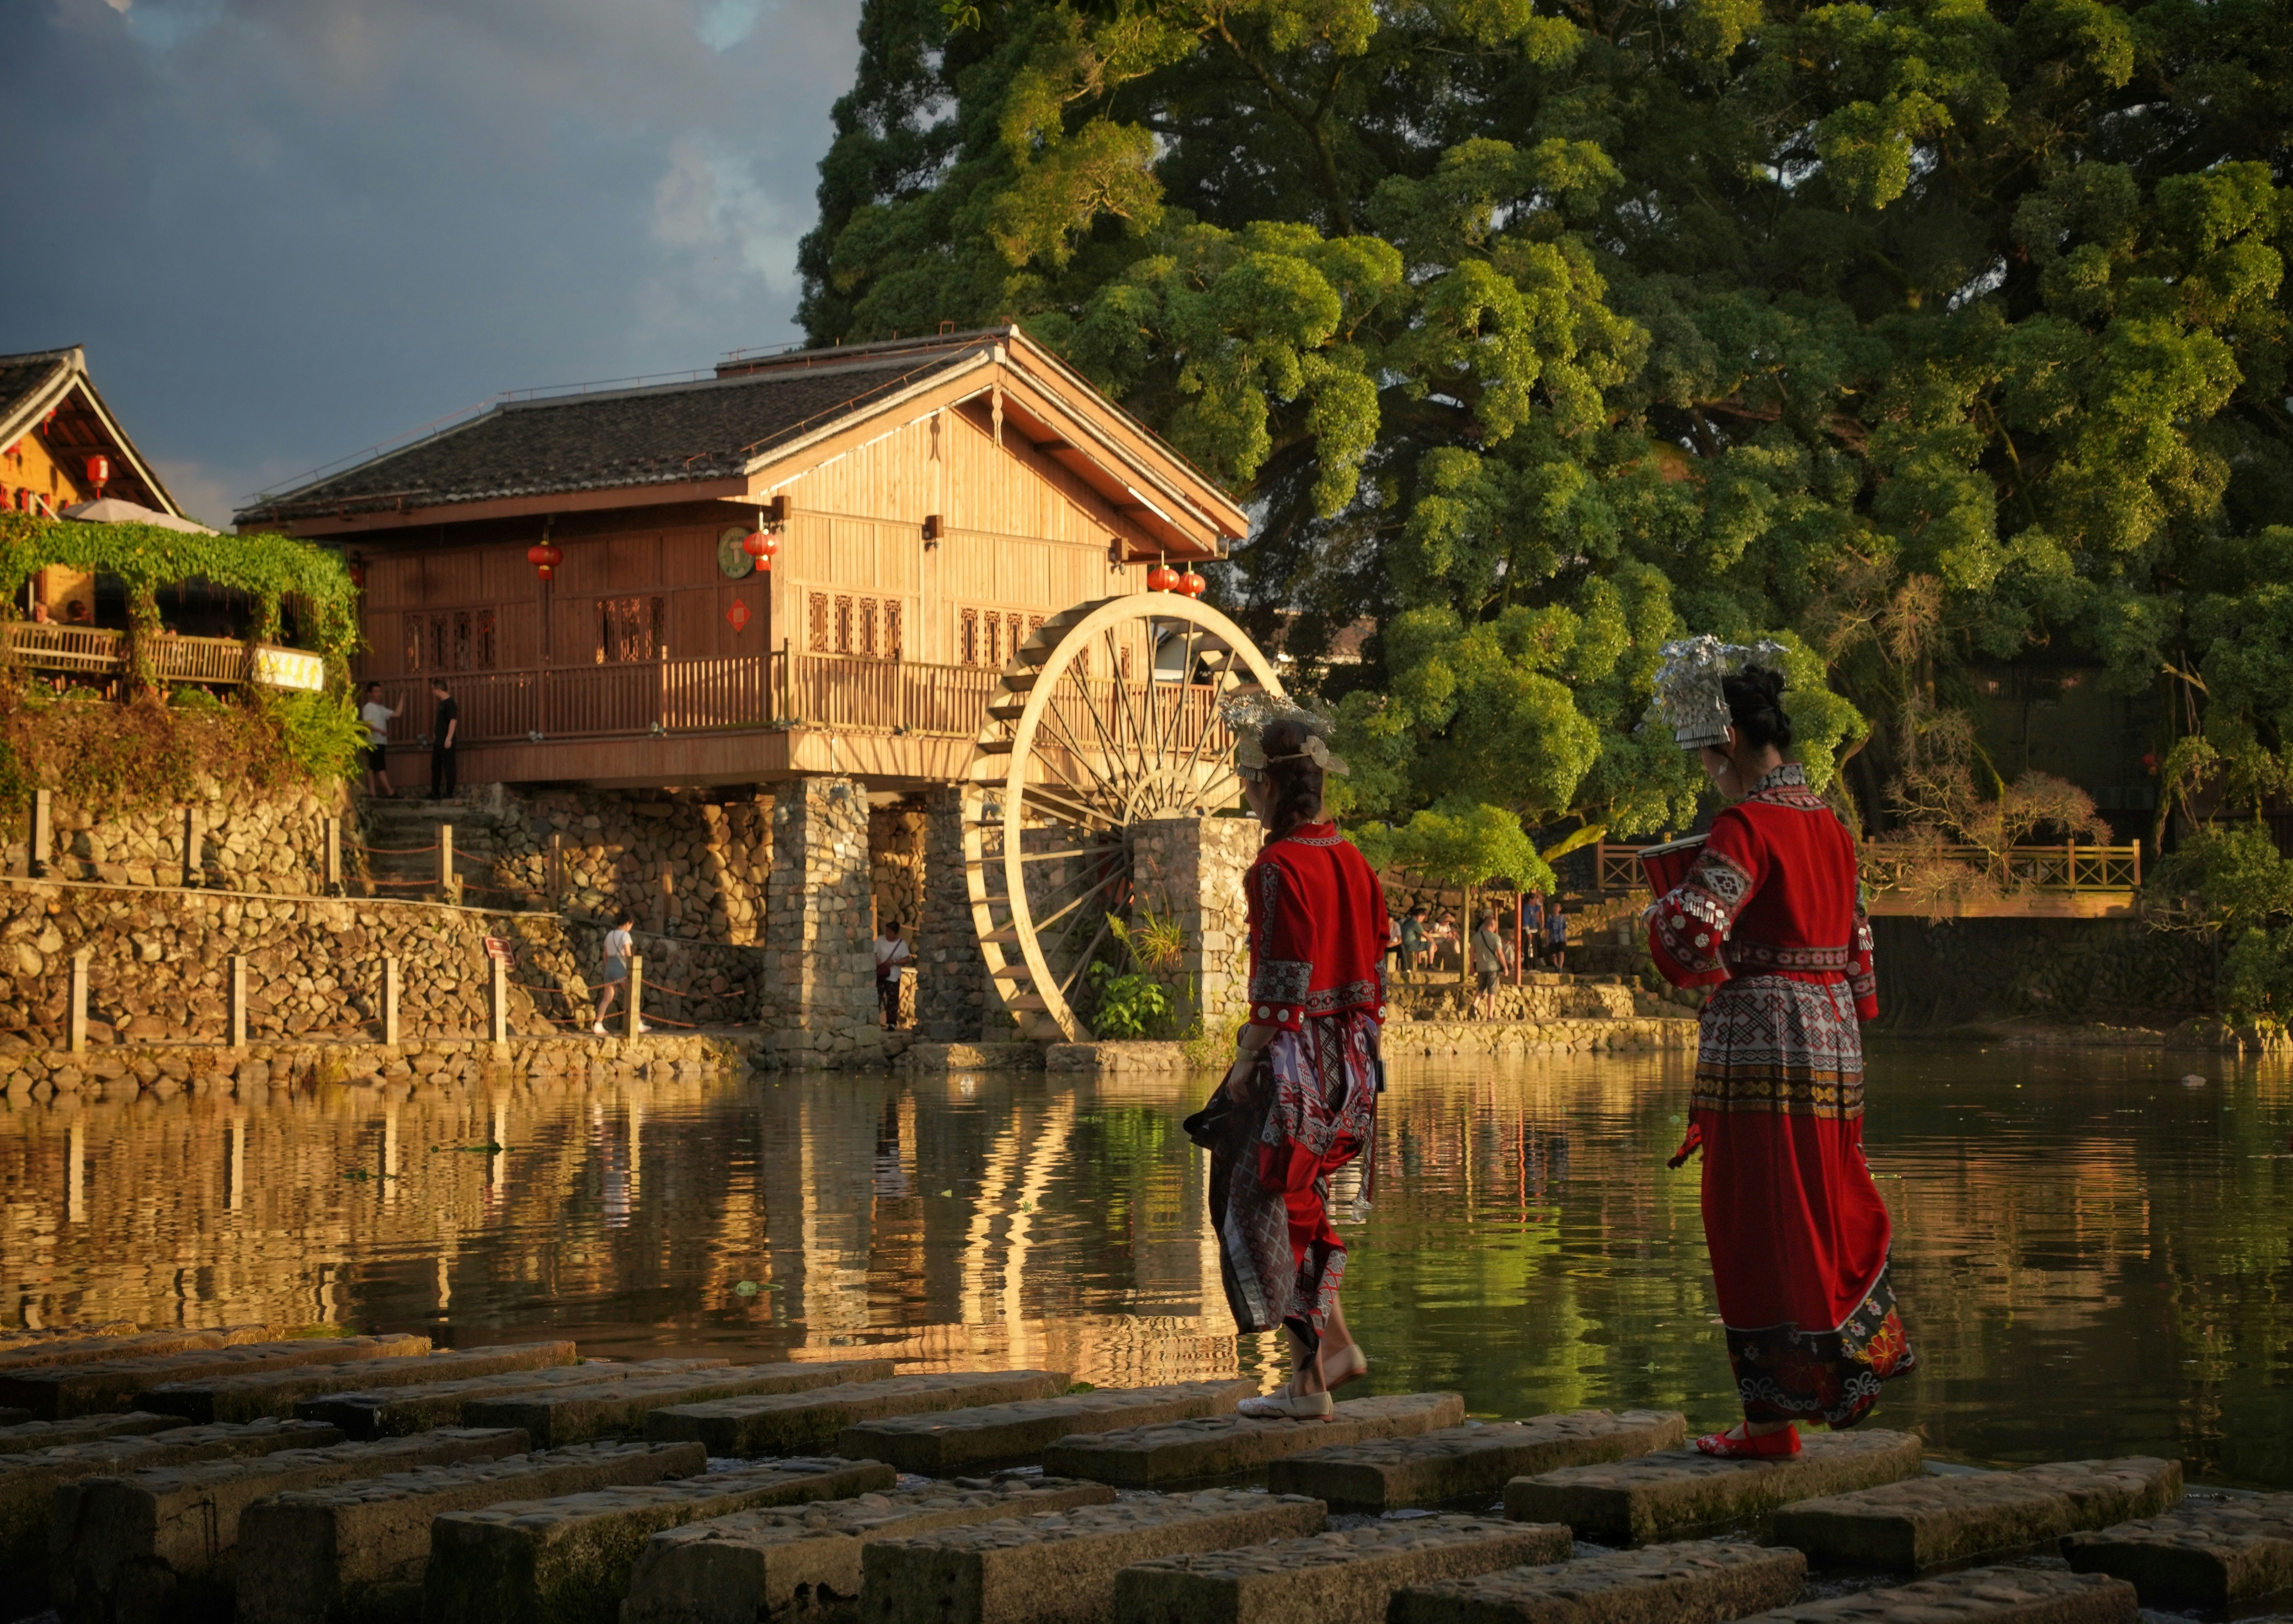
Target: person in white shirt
617 970
891 953
376 717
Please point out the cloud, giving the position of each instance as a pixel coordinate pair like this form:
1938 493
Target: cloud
294 228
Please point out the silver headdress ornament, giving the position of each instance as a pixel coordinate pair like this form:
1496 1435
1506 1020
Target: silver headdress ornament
1688 686
1249 711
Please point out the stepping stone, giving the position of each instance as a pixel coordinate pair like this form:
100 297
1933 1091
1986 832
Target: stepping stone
1639 1500
1922 1521
11 1417
276 1392
1978 1595
393 1412
567 1560
1346 1578
1458 1462
358 1550
28 1481
163 1540
1061 1566
1699 1580
21 1435
759 1564
2212 1552
794 1423
574 1414
80 1350
55 1393
1222 1446
948 1440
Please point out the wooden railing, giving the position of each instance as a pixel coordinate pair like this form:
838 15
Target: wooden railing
93 652
2044 868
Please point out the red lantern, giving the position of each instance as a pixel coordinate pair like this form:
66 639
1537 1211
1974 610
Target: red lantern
99 472
1162 578
1194 584
546 557
761 545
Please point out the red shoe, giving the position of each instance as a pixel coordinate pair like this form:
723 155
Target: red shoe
1735 1445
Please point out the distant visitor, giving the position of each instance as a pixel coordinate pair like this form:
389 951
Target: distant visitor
377 716
445 736
891 956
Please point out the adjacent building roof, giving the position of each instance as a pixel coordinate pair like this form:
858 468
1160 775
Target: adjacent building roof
34 385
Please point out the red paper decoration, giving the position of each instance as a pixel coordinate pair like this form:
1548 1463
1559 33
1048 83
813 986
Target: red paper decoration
760 545
1162 578
1193 584
738 614
544 556
99 472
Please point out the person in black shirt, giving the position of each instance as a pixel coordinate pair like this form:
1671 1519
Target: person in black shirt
445 725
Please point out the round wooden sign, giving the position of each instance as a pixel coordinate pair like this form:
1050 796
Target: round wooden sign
730 558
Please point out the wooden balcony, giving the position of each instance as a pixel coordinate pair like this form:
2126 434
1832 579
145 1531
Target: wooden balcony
94 653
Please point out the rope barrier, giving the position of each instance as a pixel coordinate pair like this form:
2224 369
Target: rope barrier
390 851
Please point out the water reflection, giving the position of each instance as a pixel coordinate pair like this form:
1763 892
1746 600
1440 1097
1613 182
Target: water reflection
2096 1259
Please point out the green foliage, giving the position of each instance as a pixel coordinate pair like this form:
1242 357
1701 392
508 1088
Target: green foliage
1130 1003
2231 878
320 735
1916 336
1461 845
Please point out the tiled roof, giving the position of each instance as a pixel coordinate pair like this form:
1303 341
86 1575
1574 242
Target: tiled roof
25 378
666 435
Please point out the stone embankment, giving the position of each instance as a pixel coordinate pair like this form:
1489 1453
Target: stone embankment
501 1485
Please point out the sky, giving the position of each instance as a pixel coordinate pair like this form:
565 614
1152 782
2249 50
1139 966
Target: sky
287 230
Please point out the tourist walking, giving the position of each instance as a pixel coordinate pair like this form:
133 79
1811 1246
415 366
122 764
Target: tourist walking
1768 917
891 955
1556 935
1489 965
1532 928
445 736
618 949
377 716
1301 1100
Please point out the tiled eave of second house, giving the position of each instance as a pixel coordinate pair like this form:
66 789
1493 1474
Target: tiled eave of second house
1163 505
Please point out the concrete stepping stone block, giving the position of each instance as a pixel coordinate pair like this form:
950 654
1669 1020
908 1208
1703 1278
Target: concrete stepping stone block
28 1481
1061 1566
578 1413
1222 1446
942 1441
55 1393
763 1566
22 1435
567 1560
1975 1596
1338 1578
2210 1553
394 1412
1456 1462
141 1547
1639 1501
136 1345
796 1423
355 1553
276 1392
1686 1583
1923 1522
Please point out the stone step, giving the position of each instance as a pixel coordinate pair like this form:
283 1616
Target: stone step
567 1560
2209 1553
1338 1578
21 1435
1698 1579
276 1392
1976 1596
10 1415
57 1393
576 1414
758 1565
163 1541
28 1482
948 1441
1458 1462
796 1422
393 1412
357 1551
1061 1566
1923 1522
1222 1446
1659 1495
137 1345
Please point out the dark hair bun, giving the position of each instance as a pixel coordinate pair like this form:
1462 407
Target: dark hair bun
1756 704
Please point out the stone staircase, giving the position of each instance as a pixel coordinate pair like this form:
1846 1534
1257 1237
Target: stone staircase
398 840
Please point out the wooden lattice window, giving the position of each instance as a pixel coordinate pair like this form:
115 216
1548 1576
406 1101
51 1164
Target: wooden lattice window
818 634
891 629
484 650
867 615
966 642
843 624
631 629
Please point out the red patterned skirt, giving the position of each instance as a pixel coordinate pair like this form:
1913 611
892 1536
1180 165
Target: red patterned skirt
1798 1233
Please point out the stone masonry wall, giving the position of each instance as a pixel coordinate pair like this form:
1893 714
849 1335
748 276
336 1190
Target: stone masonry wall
895 862
2044 969
952 988
817 955
276 843
686 868
1193 867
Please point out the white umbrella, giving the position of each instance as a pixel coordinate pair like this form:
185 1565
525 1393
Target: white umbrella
111 510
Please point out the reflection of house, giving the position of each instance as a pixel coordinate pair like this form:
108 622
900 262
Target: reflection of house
933 500
56 434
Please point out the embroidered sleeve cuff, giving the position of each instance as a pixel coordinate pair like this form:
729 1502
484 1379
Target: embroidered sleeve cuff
1280 1017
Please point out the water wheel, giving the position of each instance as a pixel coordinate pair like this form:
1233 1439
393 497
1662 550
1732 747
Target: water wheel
1106 718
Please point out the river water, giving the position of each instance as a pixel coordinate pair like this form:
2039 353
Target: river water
2095 1258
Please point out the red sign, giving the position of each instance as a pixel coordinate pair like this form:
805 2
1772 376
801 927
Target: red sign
497 949
738 614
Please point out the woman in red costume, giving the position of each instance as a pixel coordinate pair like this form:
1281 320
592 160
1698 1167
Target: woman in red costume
1769 918
1301 1100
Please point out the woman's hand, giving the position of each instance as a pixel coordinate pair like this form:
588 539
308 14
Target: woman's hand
1237 1083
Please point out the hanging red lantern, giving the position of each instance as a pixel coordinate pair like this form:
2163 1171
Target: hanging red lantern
1162 578
99 472
1194 584
761 545
544 556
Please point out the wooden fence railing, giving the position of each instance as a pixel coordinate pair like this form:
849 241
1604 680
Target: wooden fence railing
2045 868
91 651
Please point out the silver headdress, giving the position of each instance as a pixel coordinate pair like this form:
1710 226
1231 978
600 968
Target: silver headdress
1688 686
1249 711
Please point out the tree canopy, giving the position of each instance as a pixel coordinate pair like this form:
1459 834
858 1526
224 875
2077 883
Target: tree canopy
1911 336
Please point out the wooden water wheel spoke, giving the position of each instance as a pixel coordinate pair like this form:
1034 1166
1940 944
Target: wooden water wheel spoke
1070 762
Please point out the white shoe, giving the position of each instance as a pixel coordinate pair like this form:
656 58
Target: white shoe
642 1027
599 1028
1284 1405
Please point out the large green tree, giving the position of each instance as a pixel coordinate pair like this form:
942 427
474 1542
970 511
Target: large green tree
1543 332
